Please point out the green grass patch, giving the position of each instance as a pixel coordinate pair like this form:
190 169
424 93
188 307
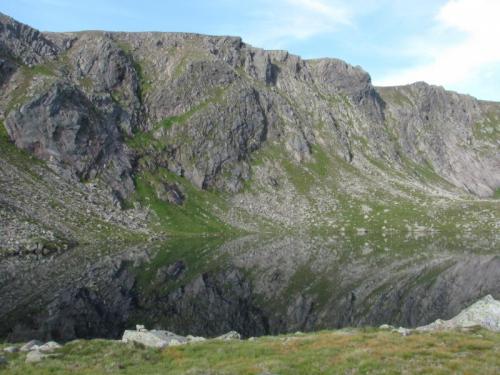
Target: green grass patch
360 351
496 194
194 216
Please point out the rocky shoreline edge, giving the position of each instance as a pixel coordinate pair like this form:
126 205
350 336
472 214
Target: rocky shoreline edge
484 313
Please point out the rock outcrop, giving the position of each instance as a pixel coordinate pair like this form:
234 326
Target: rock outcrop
154 338
162 339
484 313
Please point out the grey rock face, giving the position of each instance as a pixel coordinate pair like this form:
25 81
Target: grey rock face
21 41
438 127
107 70
62 126
208 104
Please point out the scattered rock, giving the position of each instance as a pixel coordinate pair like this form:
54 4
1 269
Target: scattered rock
402 331
3 361
30 345
153 338
386 326
49 347
170 193
484 313
195 338
11 349
361 231
232 335
35 356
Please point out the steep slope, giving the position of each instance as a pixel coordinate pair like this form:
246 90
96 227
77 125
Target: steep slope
213 130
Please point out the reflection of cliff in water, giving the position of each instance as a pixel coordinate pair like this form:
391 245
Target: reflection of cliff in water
253 285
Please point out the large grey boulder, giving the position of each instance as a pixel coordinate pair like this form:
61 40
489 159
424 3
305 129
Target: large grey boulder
484 313
153 338
232 335
35 356
30 345
49 347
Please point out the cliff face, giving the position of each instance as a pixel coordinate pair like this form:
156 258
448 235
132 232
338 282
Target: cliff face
100 103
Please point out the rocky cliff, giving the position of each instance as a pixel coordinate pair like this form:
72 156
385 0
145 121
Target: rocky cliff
110 104
151 115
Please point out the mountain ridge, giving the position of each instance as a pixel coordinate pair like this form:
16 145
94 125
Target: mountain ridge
125 107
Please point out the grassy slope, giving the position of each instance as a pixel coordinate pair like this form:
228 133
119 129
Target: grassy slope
329 352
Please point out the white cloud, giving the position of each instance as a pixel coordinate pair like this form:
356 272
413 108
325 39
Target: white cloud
283 21
458 63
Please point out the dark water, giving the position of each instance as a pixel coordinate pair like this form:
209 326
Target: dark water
255 285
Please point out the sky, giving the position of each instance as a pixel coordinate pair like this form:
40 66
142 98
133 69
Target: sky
451 43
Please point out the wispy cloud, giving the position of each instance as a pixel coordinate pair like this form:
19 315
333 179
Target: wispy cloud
453 63
284 21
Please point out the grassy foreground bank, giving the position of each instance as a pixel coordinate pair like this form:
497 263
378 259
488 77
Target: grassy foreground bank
366 351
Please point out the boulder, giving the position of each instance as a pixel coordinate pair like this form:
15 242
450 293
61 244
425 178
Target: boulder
386 326
232 335
49 347
29 346
11 349
484 313
3 361
153 338
140 328
195 338
35 356
402 331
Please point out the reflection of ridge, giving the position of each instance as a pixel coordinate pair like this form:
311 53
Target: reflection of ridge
258 285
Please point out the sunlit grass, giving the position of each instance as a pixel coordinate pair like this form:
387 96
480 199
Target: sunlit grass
367 351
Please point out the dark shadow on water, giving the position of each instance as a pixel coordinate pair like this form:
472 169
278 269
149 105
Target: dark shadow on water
255 285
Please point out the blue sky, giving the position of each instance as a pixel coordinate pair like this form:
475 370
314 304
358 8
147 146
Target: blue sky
453 43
